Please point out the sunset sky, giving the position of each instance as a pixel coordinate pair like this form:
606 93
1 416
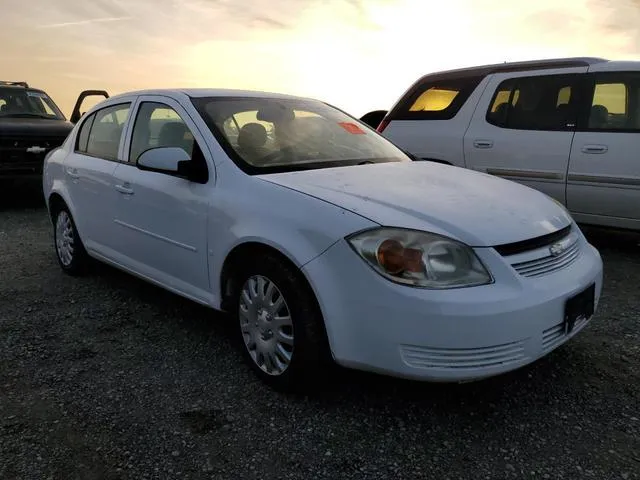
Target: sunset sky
357 54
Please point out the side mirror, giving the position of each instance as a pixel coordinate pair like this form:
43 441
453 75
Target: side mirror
163 160
373 118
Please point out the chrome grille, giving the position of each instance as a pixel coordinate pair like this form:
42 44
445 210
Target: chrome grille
548 263
13 150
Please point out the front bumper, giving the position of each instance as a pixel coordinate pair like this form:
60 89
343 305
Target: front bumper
446 335
21 170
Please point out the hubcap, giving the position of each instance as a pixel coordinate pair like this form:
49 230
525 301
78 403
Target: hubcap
265 322
64 238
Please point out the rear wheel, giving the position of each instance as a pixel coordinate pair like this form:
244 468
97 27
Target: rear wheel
280 324
70 251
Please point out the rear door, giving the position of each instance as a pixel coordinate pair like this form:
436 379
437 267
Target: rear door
604 171
89 171
523 127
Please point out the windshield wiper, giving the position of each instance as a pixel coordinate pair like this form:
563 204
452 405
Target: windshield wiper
364 162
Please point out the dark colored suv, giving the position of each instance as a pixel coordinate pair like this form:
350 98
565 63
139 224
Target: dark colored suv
31 125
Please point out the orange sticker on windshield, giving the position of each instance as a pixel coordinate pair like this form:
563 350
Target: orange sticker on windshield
351 128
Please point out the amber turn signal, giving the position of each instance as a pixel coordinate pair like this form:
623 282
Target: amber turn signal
395 258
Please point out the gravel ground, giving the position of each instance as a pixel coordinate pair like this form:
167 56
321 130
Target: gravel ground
107 377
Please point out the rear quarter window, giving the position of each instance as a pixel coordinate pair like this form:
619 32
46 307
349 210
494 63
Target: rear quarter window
433 99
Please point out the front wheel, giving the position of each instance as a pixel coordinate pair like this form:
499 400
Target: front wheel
280 325
70 251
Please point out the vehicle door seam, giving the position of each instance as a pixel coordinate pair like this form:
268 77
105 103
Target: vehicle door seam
471 119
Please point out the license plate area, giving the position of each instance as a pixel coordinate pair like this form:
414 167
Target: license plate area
579 308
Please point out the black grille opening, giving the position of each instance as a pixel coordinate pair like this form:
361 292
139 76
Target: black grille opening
508 249
23 142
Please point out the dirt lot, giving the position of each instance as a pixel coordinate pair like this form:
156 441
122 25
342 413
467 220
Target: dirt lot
108 377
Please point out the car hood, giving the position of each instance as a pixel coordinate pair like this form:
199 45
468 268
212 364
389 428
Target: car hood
473 207
34 127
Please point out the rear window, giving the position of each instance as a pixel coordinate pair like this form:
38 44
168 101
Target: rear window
435 99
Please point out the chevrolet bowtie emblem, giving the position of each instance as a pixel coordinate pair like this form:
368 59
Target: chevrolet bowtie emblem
556 249
35 149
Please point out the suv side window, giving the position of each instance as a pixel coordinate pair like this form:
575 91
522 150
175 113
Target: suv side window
434 99
535 103
106 127
159 125
615 102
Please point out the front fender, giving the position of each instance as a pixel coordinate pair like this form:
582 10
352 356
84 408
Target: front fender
298 226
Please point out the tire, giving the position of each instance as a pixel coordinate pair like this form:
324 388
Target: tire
70 252
265 341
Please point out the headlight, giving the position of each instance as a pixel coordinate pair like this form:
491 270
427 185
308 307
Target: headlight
420 259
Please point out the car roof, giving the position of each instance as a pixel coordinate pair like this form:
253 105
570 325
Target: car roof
484 70
21 88
208 92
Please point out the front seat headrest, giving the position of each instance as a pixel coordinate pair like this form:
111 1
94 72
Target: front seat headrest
251 136
173 135
599 116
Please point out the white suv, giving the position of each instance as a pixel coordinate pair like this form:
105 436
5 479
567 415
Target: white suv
567 127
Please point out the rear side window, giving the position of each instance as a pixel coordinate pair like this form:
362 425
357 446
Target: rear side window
535 103
106 131
434 99
83 135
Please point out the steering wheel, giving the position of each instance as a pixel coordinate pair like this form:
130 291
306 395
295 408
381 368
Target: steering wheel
348 150
275 156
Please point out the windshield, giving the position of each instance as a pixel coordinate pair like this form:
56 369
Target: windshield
18 102
265 135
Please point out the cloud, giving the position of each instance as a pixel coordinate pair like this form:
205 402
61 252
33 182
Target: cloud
577 27
357 54
84 22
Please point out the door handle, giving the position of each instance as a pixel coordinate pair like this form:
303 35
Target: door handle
124 189
595 149
483 143
73 172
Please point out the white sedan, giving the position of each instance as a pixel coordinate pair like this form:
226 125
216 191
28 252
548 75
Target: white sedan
322 239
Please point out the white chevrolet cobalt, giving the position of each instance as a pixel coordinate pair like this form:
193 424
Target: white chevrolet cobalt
321 238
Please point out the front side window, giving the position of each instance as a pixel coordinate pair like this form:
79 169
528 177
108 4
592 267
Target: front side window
615 103
534 103
159 125
23 103
106 131
271 134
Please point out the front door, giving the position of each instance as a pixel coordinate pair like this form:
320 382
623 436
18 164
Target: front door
523 126
161 219
604 171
